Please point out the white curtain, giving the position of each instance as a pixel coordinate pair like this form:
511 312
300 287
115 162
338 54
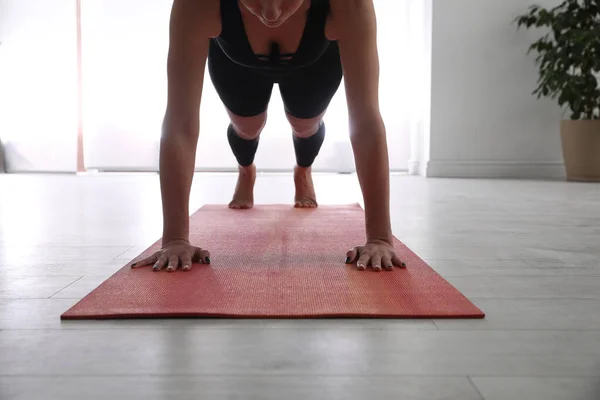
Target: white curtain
125 44
38 85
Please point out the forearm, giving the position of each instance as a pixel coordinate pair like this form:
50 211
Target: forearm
372 165
177 161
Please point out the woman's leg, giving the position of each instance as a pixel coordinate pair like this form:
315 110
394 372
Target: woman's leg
246 96
243 134
306 96
308 136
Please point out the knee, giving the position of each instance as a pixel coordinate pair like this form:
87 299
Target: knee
304 128
249 128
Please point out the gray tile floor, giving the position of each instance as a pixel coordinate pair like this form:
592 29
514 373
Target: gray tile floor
526 252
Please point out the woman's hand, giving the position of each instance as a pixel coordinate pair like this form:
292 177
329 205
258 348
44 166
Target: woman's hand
174 255
378 254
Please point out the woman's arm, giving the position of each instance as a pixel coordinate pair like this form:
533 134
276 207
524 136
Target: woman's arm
189 33
355 28
188 51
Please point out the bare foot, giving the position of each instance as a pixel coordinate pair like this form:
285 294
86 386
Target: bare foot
243 198
305 190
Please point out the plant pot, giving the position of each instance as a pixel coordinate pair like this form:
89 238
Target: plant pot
581 149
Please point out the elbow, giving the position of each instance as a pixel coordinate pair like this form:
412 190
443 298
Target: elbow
370 125
181 128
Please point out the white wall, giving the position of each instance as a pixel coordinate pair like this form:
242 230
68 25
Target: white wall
484 120
125 44
38 85
124 90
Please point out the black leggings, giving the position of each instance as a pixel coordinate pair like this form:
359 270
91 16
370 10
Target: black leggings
306 93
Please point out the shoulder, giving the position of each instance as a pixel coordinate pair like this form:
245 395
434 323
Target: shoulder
213 17
346 14
202 17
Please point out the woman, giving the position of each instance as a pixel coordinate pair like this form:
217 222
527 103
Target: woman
306 46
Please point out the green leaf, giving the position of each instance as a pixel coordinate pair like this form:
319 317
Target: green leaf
567 54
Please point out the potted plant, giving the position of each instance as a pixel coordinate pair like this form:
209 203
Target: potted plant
568 59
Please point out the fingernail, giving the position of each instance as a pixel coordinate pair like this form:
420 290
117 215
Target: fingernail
347 260
155 267
186 267
377 268
208 260
361 267
170 268
134 264
389 267
403 265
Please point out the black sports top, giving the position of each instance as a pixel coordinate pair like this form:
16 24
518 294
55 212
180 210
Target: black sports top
233 39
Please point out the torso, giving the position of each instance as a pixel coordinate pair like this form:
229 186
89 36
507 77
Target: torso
247 41
288 35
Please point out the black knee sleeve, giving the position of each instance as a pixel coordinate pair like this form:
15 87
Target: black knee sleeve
244 150
307 149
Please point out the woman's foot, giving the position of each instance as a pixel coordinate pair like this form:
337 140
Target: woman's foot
243 198
305 190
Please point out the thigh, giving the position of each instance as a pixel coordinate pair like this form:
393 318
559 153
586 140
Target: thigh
244 92
307 92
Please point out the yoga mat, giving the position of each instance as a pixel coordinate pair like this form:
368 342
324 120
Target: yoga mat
275 261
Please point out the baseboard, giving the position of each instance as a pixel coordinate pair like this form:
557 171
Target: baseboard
39 172
316 170
495 169
414 167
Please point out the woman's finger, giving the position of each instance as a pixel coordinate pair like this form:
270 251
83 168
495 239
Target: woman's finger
397 262
376 262
386 263
160 264
351 255
186 262
173 263
201 256
363 262
205 256
145 262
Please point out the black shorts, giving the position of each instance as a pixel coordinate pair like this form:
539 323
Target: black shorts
306 92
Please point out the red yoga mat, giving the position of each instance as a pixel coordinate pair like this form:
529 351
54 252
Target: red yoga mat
276 261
